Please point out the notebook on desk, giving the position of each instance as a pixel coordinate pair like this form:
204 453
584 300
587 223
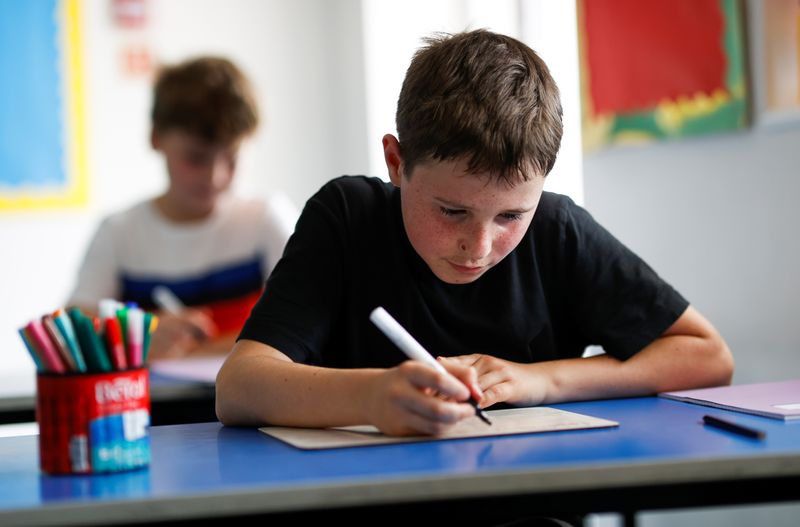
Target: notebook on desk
778 400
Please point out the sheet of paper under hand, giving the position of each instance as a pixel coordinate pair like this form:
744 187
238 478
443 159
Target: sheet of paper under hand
505 422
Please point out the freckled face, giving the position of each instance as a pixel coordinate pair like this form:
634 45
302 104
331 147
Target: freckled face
463 224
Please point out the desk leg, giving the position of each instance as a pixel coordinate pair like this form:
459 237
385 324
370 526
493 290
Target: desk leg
629 519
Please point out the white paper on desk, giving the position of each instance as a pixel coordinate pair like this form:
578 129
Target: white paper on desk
504 422
202 369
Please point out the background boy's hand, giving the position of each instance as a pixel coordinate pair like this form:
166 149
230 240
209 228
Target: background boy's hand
178 335
414 399
502 380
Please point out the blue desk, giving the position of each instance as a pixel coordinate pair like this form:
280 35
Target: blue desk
659 457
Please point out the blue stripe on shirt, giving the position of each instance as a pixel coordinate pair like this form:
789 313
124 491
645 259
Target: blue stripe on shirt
231 281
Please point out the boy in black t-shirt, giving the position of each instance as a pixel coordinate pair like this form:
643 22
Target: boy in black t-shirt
505 282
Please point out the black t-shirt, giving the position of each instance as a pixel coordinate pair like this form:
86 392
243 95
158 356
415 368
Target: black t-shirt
567 285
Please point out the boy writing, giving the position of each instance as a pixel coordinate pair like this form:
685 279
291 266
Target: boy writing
506 283
211 249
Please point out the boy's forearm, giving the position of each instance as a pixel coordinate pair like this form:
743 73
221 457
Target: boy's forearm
671 362
255 389
689 354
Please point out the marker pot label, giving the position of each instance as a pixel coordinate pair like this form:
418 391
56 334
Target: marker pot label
92 423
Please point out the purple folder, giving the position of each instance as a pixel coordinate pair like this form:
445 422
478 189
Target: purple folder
779 400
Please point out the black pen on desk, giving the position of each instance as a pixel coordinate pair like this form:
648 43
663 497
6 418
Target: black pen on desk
413 349
730 426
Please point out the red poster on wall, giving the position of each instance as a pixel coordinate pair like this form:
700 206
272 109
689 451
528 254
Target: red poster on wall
659 68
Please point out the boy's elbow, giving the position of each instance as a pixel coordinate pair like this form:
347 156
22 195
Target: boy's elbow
221 415
720 361
225 417
220 398
228 414
239 385
222 404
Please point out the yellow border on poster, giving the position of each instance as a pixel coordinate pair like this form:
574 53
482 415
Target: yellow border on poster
76 191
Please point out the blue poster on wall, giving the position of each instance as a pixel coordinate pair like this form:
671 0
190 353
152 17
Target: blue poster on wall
42 154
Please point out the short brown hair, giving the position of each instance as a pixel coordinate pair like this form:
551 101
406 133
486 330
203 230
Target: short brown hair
484 97
208 97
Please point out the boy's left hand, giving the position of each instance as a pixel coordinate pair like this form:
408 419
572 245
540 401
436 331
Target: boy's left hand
504 381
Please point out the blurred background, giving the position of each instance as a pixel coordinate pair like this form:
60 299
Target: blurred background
711 208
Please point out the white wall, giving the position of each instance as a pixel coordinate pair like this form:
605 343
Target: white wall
550 27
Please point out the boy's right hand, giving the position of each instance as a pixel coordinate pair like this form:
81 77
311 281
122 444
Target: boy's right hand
414 398
178 335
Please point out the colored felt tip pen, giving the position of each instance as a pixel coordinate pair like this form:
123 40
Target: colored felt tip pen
115 343
135 336
64 324
108 307
730 426
413 349
47 350
59 342
32 350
